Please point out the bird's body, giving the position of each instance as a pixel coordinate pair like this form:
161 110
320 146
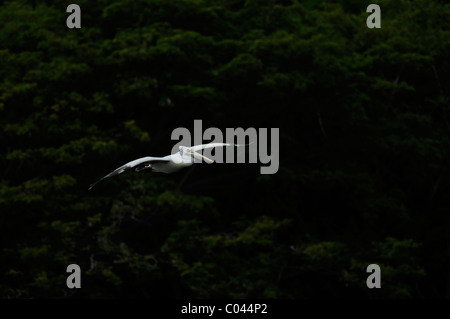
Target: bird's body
168 164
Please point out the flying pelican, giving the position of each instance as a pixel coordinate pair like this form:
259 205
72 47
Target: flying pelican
167 164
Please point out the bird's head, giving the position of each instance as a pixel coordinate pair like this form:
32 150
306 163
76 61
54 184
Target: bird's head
187 152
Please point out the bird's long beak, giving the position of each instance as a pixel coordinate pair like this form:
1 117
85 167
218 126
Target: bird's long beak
200 156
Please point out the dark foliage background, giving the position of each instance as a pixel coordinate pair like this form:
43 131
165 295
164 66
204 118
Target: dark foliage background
364 149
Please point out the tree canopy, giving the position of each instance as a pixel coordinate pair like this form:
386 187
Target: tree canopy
364 149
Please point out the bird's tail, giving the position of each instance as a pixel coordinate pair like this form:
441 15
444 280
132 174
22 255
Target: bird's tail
240 145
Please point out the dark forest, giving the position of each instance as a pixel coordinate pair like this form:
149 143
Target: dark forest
364 141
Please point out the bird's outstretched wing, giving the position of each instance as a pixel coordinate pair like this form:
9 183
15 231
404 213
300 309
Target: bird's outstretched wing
197 148
136 163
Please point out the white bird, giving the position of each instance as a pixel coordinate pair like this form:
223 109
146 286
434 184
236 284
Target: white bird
167 164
